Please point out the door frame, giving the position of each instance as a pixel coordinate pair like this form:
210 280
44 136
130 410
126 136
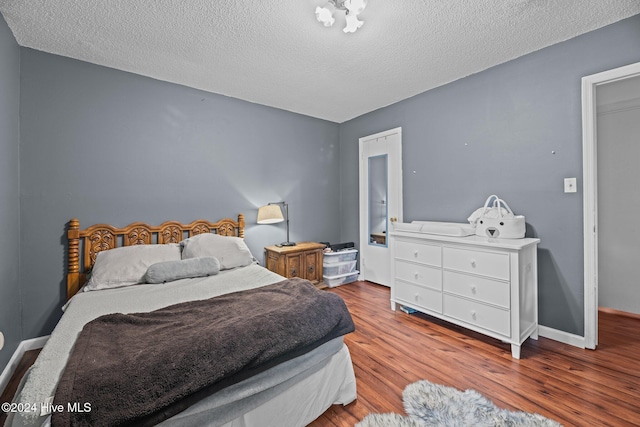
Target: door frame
590 192
363 235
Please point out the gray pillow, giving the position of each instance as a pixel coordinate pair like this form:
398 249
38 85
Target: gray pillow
169 271
231 251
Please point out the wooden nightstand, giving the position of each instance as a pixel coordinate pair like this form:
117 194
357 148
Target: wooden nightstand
303 260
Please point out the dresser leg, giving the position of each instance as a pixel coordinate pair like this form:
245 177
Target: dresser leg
515 351
393 306
534 334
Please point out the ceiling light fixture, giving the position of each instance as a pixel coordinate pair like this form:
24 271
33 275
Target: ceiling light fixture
352 9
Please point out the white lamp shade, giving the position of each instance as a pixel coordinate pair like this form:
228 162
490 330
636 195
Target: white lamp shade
270 214
353 23
325 14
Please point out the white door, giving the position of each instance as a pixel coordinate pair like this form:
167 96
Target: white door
380 202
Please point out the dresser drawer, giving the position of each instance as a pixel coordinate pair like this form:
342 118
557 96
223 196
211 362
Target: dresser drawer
475 313
418 252
478 288
477 262
420 274
418 296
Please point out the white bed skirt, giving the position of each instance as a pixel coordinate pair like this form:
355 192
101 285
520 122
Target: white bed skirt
297 402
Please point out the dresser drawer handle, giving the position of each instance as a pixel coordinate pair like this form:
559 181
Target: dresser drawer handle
474 289
473 263
415 254
474 315
416 275
416 297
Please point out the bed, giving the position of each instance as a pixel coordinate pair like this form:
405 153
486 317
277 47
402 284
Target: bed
291 388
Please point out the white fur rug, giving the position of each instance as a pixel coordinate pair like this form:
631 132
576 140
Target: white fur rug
433 405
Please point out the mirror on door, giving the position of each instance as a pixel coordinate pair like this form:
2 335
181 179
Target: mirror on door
377 205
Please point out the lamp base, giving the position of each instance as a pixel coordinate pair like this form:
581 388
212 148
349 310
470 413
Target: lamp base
286 244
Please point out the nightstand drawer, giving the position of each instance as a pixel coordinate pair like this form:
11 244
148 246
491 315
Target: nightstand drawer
478 314
477 288
477 262
417 252
420 274
418 296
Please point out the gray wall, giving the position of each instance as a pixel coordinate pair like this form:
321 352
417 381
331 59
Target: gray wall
514 130
108 146
9 192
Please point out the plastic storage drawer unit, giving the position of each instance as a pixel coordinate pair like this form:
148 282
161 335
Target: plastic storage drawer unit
338 268
341 279
340 256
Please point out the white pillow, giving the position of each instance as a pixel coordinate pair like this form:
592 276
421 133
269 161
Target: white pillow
126 266
232 252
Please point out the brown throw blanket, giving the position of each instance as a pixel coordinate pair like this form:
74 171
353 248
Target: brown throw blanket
140 369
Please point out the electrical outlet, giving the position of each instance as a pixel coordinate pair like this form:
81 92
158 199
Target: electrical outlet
1 340
570 185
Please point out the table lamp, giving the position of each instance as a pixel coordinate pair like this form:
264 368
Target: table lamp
272 214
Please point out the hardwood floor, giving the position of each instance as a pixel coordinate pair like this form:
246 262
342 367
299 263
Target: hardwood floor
392 349
573 386
7 394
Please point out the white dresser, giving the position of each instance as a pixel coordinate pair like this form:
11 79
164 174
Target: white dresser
487 285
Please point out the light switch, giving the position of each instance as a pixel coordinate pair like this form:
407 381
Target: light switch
570 185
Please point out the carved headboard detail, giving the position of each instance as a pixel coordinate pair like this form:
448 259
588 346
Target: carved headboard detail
102 237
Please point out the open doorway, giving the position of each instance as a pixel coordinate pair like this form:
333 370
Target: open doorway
618 151
594 87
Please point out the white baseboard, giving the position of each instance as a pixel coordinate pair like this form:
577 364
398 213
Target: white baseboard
561 336
23 347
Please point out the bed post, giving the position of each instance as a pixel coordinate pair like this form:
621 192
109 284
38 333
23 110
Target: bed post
241 225
73 275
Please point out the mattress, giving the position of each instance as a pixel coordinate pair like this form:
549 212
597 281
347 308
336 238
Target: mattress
40 382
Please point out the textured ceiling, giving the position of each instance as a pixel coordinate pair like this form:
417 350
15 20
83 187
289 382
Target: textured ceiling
275 53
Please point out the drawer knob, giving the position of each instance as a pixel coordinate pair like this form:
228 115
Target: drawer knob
415 254
473 289
473 314
473 263
416 275
416 297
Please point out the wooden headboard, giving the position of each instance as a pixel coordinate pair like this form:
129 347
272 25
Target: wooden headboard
102 237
